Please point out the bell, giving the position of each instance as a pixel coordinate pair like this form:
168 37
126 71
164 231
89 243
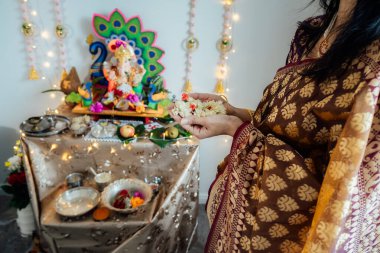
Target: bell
219 87
27 29
224 44
191 44
188 87
60 31
33 74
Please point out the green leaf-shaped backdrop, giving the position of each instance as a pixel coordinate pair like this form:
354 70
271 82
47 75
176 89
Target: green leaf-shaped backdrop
117 26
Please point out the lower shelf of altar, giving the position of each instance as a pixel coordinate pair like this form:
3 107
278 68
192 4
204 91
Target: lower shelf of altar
51 221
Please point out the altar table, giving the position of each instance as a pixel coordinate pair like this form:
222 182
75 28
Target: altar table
165 224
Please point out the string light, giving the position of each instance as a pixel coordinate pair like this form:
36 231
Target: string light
236 17
45 35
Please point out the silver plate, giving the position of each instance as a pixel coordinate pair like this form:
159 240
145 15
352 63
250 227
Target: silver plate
77 201
57 124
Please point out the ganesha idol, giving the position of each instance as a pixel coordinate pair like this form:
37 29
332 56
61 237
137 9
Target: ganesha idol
124 77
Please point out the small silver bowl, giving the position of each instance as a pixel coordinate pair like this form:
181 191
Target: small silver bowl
77 201
74 180
103 179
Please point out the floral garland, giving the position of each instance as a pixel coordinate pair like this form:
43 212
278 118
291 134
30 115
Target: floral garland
16 181
189 106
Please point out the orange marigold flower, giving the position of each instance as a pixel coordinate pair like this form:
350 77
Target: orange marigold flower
136 202
140 109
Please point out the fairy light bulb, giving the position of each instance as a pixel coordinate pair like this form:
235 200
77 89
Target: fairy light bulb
50 54
33 13
52 95
236 17
47 64
45 34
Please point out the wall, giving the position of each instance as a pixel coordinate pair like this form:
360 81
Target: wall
261 38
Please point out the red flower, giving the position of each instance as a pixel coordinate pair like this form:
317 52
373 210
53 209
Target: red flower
185 96
17 178
118 93
193 106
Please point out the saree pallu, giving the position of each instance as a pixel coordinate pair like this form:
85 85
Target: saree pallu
305 175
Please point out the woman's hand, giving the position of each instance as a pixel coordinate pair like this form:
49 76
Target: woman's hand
204 127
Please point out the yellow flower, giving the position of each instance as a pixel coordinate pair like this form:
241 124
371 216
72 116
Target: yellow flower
19 154
140 109
136 202
7 164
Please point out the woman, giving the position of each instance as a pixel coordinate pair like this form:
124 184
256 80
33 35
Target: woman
303 171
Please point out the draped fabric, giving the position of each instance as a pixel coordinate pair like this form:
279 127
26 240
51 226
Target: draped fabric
305 175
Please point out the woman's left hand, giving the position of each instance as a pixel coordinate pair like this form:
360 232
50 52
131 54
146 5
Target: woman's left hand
204 127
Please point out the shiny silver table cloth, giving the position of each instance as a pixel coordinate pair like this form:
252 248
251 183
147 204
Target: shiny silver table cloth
166 224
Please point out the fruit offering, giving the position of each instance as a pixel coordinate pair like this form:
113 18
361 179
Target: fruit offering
127 131
171 132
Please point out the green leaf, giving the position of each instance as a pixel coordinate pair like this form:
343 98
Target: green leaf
182 131
156 136
140 130
73 97
52 90
167 119
8 189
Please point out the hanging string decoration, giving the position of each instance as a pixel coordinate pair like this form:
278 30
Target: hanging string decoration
224 45
190 44
61 32
28 29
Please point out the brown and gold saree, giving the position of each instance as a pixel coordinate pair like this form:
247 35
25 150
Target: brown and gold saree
305 175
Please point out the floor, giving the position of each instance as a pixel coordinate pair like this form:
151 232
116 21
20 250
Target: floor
12 242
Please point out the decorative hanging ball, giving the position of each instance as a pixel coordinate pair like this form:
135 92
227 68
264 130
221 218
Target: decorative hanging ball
60 31
191 44
27 29
224 44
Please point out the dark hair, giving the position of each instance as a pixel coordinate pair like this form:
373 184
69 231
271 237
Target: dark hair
359 31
